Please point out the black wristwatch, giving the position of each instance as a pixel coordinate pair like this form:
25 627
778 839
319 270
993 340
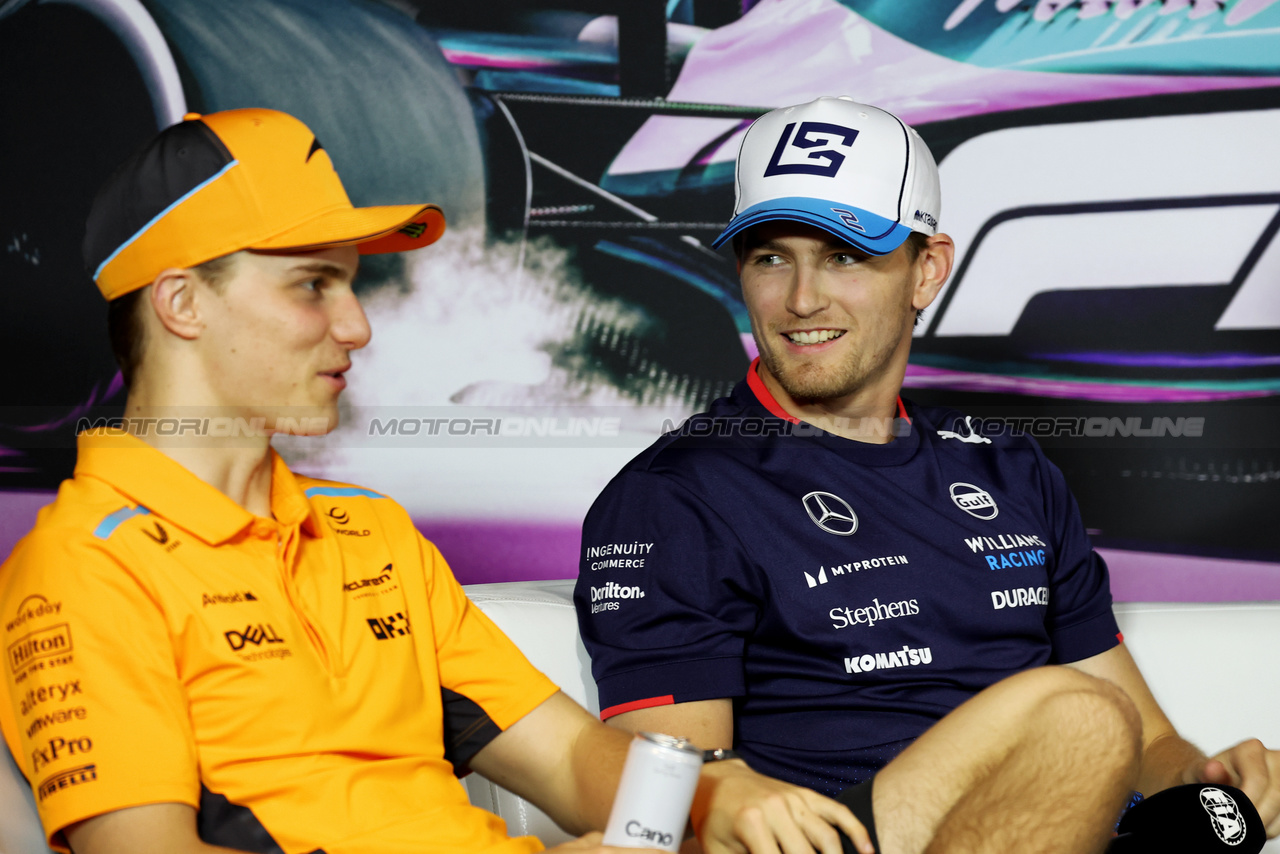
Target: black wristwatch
719 755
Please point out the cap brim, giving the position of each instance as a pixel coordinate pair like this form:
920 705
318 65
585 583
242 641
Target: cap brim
869 232
374 230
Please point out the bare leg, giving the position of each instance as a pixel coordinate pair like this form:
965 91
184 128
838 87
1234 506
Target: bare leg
1040 762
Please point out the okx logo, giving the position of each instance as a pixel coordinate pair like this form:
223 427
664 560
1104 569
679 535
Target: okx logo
386 628
256 635
824 161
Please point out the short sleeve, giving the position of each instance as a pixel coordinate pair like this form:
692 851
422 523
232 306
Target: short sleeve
97 717
486 683
666 596
1079 620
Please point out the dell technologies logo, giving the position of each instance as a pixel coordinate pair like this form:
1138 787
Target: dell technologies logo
831 513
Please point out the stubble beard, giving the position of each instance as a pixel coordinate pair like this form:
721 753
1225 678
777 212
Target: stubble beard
808 382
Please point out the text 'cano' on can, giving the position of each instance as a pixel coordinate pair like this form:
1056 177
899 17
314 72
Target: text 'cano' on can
653 800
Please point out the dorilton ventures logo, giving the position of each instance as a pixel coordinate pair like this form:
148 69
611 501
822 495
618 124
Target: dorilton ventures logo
974 500
43 643
831 513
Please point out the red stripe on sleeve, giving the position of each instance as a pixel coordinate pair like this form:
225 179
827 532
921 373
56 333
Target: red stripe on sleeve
649 703
1120 636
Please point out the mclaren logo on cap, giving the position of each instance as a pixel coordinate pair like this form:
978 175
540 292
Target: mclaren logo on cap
315 146
831 513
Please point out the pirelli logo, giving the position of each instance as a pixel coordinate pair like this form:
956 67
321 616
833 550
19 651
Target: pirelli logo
66 779
55 640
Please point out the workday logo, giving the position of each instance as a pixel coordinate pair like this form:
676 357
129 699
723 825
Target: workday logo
831 513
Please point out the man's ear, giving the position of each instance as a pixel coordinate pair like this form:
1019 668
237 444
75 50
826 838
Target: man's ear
175 300
934 263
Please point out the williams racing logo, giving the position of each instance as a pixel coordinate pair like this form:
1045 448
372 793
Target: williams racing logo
831 513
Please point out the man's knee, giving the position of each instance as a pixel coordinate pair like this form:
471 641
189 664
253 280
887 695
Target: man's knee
1095 708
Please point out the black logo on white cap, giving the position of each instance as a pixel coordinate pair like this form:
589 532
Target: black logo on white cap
831 513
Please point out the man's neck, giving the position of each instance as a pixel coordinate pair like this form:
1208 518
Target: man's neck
238 466
863 416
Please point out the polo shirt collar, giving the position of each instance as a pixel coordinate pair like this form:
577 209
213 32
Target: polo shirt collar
152 479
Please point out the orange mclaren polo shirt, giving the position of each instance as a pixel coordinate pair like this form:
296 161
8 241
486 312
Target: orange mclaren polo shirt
308 682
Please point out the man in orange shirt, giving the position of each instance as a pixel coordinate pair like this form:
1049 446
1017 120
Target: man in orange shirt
205 651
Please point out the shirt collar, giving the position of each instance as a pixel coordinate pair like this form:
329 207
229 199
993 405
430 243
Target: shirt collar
164 486
769 402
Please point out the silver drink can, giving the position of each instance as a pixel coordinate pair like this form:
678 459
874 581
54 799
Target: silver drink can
656 791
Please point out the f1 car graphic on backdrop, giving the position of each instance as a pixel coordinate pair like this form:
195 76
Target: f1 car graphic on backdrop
1116 230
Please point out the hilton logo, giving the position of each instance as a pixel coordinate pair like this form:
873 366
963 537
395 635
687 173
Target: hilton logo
40 644
975 501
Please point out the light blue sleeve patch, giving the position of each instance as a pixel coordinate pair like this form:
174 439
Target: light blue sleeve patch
108 525
342 492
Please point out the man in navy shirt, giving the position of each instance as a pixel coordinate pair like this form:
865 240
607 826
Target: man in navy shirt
835 583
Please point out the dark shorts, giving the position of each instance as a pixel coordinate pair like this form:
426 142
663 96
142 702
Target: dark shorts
858 800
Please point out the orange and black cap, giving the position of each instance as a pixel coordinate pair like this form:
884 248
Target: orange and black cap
241 179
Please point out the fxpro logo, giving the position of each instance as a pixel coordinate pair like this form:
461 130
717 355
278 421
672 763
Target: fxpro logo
58 748
974 500
1112 206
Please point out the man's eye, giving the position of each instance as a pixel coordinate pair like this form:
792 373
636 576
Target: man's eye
768 260
313 284
844 258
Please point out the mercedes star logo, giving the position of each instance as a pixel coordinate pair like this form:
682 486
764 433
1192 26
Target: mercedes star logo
831 513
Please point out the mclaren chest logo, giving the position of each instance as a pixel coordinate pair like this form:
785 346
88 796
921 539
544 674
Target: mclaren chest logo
831 513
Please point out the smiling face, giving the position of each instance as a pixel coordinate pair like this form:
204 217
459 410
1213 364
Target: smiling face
278 335
832 323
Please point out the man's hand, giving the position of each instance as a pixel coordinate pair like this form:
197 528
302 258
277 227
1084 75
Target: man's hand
737 810
591 843
1253 769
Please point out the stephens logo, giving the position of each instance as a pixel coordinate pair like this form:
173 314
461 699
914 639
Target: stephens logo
256 635
43 643
66 779
844 617
386 628
831 513
975 501
1225 815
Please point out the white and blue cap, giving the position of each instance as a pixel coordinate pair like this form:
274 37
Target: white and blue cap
849 168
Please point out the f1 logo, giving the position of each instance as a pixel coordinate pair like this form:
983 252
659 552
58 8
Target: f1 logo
804 139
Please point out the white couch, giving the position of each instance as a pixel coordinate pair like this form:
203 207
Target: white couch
1215 668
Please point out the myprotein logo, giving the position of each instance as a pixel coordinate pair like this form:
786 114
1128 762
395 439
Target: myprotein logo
33 608
831 513
256 635
974 500
65 779
1225 815
59 748
43 643
852 567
